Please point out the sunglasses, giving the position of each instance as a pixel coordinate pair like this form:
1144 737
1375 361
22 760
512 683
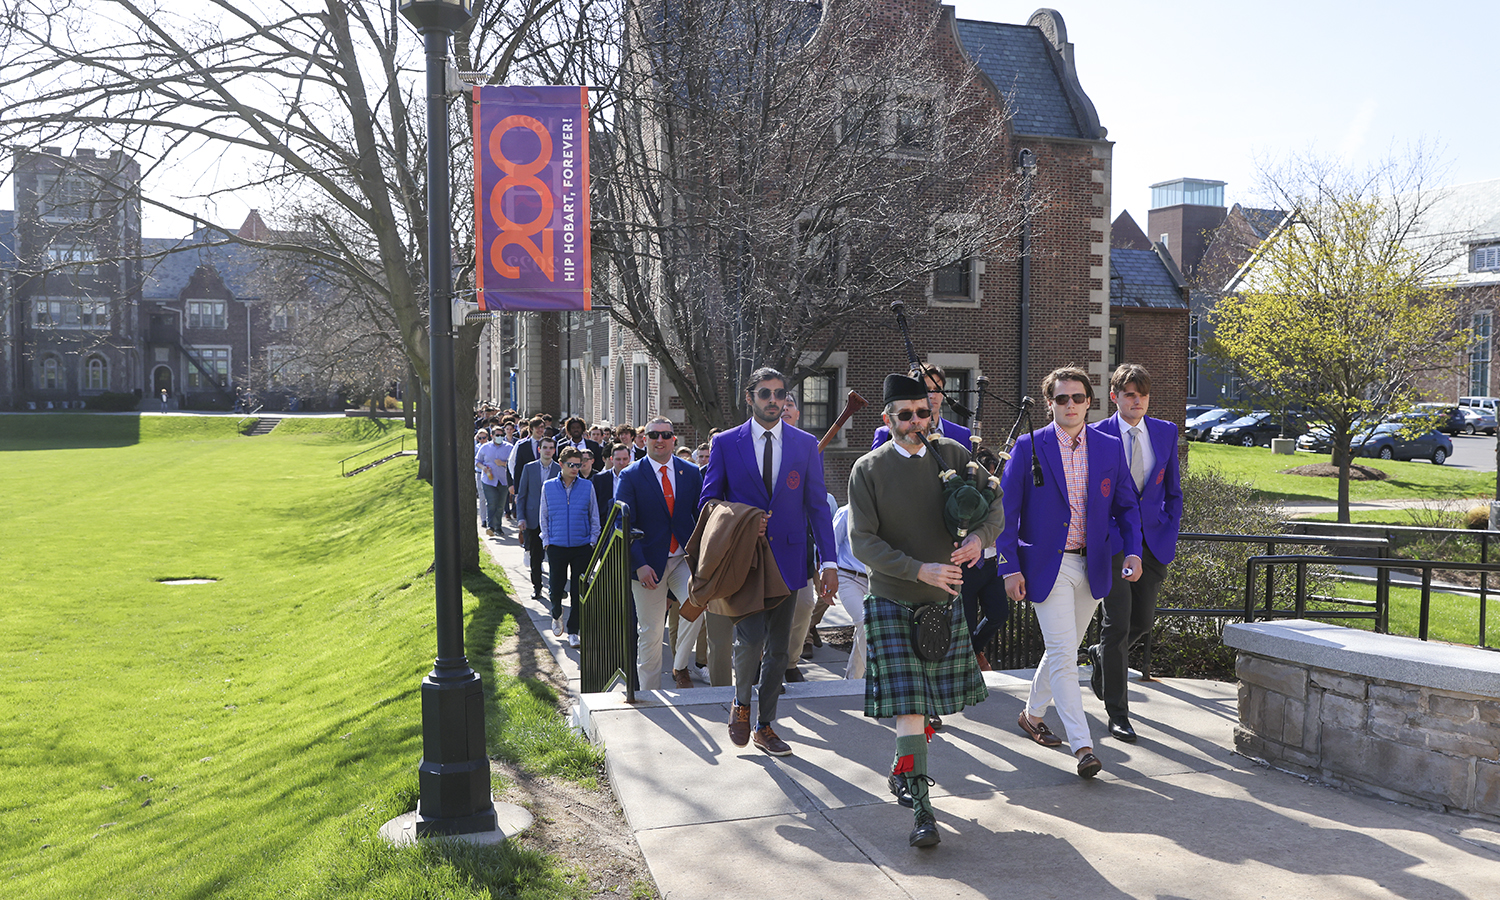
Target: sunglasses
661 435
1080 399
574 465
768 393
905 415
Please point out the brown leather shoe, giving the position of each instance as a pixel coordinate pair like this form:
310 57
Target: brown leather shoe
1038 732
681 677
739 725
767 741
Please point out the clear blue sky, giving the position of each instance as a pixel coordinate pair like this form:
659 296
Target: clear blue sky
1204 88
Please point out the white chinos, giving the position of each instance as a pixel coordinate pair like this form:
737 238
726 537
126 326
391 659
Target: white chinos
1064 618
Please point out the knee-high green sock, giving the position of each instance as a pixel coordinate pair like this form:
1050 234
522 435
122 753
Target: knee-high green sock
911 762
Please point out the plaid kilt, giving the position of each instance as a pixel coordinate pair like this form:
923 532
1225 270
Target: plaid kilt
898 682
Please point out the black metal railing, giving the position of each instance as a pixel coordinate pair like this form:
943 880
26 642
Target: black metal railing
1019 643
346 471
1398 534
608 649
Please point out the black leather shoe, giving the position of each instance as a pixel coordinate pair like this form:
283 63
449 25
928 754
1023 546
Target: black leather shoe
926 832
794 675
1096 674
1119 729
899 790
935 723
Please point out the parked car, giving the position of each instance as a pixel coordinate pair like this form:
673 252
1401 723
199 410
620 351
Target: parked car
1477 419
1197 429
1318 440
1447 418
1257 428
1194 412
1490 405
1388 441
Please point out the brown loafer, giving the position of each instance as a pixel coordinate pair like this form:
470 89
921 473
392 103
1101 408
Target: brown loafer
739 725
1089 765
681 677
767 742
1038 732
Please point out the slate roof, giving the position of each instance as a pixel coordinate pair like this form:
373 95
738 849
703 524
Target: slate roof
1262 221
165 276
1139 278
1018 59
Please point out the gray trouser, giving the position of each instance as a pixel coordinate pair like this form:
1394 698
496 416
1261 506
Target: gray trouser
720 631
756 635
1129 612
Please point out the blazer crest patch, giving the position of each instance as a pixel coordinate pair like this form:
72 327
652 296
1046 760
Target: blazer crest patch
1104 487
1160 475
793 479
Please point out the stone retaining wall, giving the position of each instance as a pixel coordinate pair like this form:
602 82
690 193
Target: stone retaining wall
1411 721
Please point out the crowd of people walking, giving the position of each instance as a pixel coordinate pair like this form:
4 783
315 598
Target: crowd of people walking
740 548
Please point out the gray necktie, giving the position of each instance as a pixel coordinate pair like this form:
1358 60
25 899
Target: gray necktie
1137 459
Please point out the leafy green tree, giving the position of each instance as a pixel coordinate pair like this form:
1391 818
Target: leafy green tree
1338 312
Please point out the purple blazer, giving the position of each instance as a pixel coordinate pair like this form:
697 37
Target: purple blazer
1161 499
798 500
1036 518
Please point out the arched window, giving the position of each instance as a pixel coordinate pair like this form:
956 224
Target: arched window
51 374
96 374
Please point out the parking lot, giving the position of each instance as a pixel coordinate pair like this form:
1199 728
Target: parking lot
1474 451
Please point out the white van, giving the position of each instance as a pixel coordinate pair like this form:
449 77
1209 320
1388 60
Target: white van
1490 405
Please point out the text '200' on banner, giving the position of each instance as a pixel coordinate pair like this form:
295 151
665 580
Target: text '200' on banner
531 197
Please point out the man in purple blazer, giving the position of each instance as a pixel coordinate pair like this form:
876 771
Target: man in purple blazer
769 464
935 378
1063 541
1150 447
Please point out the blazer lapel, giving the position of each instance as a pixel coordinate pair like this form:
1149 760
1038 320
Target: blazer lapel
1052 454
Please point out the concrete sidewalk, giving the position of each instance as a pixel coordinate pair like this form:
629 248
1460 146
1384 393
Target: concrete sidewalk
1177 815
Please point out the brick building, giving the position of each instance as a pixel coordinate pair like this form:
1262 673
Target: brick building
969 319
90 308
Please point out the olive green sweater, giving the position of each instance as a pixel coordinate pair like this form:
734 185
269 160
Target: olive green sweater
896 519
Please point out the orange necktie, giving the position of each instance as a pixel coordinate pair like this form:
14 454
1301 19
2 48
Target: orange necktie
666 491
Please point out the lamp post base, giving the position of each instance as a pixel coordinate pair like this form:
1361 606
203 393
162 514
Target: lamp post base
507 821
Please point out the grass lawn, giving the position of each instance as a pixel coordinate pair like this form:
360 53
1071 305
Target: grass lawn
246 738
1453 618
1407 481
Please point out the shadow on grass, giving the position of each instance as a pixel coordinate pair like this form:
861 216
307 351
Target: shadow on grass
68 431
523 718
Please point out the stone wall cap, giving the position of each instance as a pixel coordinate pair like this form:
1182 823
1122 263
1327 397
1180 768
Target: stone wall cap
1445 667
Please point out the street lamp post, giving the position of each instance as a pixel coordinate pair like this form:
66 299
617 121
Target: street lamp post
1026 168
454 775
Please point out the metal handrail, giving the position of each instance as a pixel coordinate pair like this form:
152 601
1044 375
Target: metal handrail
607 609
343 463
252 414
1381 614
1483 535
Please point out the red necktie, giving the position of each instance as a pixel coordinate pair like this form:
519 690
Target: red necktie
666 491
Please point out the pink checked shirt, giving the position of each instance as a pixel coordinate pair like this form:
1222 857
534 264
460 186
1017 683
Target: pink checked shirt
1075 460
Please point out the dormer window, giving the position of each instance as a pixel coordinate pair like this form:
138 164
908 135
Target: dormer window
1485 259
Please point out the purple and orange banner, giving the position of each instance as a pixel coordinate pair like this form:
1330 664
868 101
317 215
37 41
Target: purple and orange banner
531 197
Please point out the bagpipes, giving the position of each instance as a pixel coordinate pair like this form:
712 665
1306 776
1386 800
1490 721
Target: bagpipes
966 501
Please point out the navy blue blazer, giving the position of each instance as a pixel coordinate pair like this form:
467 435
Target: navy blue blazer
951 430
604 493
640 490
1036 518
1161 499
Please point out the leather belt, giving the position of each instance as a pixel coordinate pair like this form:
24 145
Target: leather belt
1081 551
